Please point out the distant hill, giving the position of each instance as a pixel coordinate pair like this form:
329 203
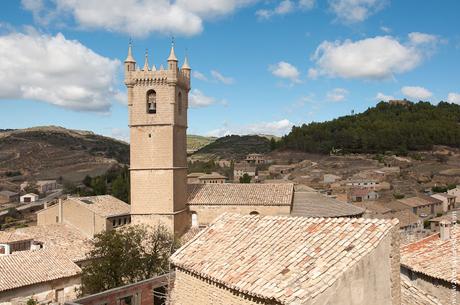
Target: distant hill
235 147
52 152
385 127
195 142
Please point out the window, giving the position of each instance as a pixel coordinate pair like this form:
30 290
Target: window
194 219
151 101
59 296
119 221
179 103
254 213
57 219
114 223
127 300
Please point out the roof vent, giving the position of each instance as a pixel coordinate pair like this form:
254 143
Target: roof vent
87 201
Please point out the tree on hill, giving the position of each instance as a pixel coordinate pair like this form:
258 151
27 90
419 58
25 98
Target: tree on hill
383 128
125 256
245 179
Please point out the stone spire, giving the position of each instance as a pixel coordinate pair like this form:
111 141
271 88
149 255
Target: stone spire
186 66
130 57
172 55
146 62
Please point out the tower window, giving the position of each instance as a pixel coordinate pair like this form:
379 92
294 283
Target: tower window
151 101
179 103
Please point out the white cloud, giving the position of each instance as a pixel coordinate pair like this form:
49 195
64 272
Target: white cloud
199 75
57 71
285 70
453 98
313 73
383 97
285 7
385 29
278 128
337 95
422 38
120 134
223 79
352 11
136 17
416 93
198 99
371 58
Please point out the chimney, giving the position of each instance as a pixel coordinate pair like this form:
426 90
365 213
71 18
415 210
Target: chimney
445 229
60 210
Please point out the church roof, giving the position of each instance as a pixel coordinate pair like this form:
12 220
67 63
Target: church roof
281 258
240 194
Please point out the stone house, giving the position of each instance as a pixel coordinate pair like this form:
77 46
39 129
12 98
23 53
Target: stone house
279 169
91 215
239 169
362 183
423 205
256 159
455 192
28 198
212 178
30 254
360 194
448 201
192 178
208 201
43 186
289 260
431 264
8 196
331 178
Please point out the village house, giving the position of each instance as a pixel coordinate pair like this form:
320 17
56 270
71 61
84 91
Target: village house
8 196
362 183
192 178
279 169
212 178
431 264
448 201
43 186
28 198
240 169
91 215
359 194
207 201
423 205
256 159
331 178
289 260
455 192
28 256
452 216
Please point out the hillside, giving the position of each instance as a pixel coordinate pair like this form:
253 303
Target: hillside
195 142
52 152
385 127
235 147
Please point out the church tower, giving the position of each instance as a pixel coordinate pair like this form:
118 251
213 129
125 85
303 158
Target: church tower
158 103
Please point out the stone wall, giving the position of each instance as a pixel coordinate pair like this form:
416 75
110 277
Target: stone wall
207 213
442 290
192 290
42 292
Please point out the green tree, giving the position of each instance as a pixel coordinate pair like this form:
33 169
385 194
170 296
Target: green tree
99 185
125 256
87 181
120 188
245 179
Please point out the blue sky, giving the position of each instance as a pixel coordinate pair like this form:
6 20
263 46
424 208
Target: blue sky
258 66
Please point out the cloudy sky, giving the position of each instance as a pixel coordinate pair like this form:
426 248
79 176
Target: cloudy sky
258 66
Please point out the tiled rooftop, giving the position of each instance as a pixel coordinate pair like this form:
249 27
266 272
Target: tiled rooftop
286 259
104 205
213 175
7 237
24 268
412 295
314 204
61 238
433 257
419 201
240 194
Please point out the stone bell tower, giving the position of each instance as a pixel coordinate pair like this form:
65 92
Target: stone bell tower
158 103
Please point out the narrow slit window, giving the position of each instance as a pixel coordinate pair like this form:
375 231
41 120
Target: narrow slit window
151 101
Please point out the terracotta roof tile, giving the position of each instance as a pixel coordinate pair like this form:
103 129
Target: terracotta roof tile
314 204
419 201
104 205
287 259
24 268
434 257
240 194
412 295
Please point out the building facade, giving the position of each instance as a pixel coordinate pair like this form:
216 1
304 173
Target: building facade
157 105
